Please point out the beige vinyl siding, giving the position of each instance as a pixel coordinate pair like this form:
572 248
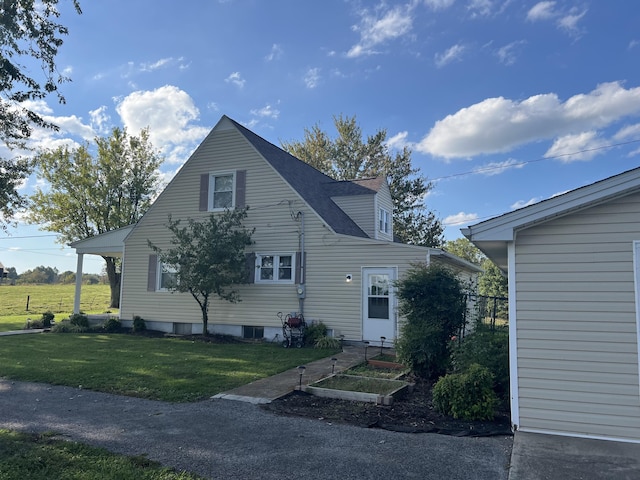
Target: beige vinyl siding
361 208
576 325
271 203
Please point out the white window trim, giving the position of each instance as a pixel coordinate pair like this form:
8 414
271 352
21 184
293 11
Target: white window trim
277 255
212 184
384 220
159 270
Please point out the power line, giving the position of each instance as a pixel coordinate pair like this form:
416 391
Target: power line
526 162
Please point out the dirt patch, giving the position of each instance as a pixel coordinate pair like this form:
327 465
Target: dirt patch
412 414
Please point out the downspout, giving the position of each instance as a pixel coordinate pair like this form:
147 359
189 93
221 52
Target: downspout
301 287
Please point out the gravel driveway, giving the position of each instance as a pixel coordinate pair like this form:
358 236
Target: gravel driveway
225 439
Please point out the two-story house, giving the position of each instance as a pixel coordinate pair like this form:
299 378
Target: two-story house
322 247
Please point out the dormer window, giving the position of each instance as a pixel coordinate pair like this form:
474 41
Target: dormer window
384 220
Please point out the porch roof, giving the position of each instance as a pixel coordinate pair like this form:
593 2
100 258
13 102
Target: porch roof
109 244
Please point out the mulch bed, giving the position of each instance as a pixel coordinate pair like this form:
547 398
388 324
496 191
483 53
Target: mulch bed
412 414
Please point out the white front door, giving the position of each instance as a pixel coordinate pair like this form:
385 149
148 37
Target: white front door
378 305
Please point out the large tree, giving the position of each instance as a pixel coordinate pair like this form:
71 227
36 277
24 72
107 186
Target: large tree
88 194
30 35
349 156
463 248
208 258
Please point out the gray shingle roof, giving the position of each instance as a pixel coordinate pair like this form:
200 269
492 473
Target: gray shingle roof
313 186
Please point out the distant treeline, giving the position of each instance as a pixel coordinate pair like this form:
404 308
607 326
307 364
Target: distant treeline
42 274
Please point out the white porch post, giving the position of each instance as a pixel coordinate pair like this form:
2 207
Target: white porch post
76 300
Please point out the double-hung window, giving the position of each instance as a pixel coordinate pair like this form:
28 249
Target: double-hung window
221 191
383 221
166 277
277 268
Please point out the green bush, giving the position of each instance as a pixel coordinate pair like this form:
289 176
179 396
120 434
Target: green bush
468 395
33 324
66 326
313 332
79 320
432 301
139 324
489 348
47 319
328 343
112 325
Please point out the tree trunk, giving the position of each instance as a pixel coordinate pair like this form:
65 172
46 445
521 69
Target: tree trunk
114 281
204 306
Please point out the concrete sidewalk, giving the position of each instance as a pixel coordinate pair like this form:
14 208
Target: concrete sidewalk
267 389
537 456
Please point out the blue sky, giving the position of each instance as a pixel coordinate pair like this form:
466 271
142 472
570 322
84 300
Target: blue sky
502 102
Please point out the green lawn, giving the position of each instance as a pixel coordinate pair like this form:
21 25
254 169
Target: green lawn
168 369
42 457
41 298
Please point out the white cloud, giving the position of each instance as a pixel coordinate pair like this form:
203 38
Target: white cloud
375 30
508 54
312 77
498 125
150 67
542 11
266 111
100 119
523 203
275 53
496 168
629 132
438 4
565 20
460 218
399 141
580 146
168 112
451 54
236 79
480 8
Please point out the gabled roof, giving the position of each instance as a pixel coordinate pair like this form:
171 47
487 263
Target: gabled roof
492 236
109 244
313 186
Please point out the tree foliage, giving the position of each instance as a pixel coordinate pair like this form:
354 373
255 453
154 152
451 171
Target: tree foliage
349 156
433 304
89 195
208 258
492 282
29 35
463 248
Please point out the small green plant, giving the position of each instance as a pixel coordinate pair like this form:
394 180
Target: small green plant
66 326
33 324
47 319
112 325
327 343
79 320
139 324
313 332
489 348
468 395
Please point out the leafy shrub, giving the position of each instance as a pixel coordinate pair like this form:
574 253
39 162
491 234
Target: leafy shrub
47 319
33 324
66 326
468 395
432 301
139 324
489 348
79 320
314 332
112 325
327 343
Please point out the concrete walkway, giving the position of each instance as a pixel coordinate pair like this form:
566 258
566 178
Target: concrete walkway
267 389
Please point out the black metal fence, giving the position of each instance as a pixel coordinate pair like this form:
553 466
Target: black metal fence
490 311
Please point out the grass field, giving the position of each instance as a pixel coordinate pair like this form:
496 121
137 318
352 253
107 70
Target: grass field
41 298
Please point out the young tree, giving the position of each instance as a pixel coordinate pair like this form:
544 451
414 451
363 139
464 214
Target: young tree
208 258
88 195
433 304
29 32
349 157
463 248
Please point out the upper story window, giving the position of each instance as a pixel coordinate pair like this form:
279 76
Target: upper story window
275 268
384 221
221 189
166 277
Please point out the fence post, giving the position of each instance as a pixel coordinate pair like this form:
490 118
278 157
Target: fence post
28 296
